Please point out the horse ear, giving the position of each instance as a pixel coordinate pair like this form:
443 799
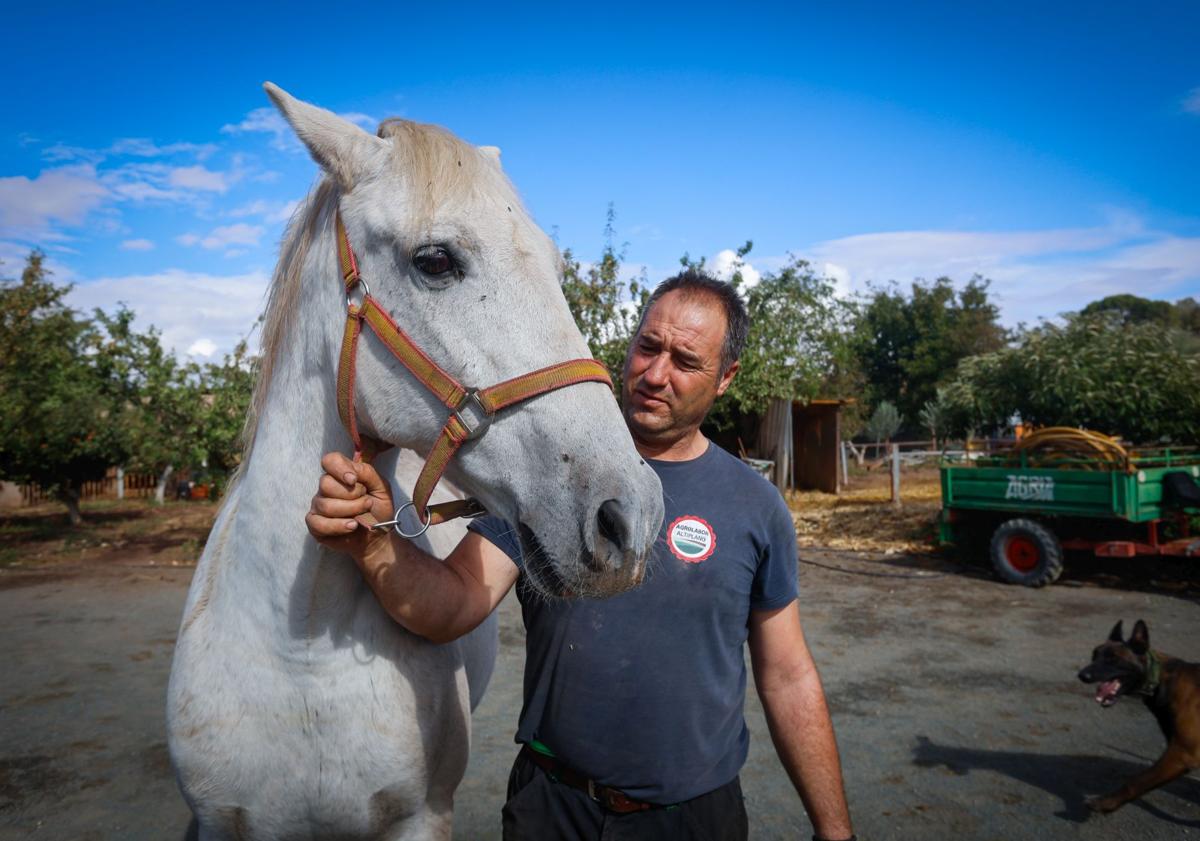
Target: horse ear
341 148
1116 635
1139 640
492 153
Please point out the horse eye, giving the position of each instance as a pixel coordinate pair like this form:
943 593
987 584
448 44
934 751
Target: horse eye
434 260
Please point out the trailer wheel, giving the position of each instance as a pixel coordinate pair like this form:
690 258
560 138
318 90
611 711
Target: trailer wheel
1026 552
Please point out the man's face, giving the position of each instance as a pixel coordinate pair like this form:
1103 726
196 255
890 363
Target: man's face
673 368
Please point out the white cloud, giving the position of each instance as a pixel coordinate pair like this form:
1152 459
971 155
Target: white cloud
269 210
137 245
224 236
284 214
1035 274
142 147
202 347
266 120
723 264
1191 102
191 309
199 178
62 196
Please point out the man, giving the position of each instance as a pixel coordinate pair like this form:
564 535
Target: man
632 725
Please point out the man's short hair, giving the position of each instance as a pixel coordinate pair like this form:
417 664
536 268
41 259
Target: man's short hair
694 283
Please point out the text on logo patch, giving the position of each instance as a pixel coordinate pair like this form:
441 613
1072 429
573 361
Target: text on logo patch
691 539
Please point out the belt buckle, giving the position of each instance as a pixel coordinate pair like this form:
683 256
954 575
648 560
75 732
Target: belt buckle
591 791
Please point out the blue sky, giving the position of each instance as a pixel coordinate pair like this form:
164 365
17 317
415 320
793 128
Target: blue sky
1054 151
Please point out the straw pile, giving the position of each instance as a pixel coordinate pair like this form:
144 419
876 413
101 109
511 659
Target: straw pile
863 518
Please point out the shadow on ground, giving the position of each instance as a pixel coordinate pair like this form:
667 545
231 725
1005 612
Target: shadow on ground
1068 777
1175 577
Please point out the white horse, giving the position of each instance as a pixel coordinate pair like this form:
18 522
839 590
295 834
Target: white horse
297 708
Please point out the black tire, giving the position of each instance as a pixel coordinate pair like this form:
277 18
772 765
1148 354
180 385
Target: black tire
1026 552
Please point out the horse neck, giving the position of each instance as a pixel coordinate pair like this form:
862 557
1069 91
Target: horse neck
298 423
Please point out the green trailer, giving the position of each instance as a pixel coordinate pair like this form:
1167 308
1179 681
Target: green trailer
1036 503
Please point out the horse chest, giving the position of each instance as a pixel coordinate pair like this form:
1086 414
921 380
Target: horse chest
328 732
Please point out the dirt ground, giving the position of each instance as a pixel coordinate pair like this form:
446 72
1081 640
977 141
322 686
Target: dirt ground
954 697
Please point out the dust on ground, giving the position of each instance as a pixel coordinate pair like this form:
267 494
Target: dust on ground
954 696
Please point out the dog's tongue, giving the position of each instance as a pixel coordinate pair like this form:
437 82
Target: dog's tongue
1106 693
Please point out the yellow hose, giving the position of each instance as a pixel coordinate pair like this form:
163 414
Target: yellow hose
1054 445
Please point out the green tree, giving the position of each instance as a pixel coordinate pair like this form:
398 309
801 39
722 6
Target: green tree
225 393
885 422
605 306
1130 309
60 415
934 418
159 407
1094 372
798 343
909 344
1179 321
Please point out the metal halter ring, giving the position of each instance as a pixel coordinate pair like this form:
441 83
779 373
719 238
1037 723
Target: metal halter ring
395 523
366 291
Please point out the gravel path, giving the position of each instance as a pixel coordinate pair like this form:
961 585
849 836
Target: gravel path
954 698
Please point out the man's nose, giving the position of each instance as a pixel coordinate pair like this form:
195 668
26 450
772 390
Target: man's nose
658 371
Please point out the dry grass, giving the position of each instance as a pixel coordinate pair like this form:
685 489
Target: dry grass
125 533
135 532
863 518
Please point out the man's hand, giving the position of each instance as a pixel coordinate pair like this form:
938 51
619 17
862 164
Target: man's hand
351 497
438 600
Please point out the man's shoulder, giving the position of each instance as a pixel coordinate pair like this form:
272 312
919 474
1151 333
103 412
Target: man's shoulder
733 468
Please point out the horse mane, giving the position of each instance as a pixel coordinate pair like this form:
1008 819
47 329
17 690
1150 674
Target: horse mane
440 169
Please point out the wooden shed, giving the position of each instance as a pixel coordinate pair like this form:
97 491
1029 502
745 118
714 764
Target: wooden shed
803 440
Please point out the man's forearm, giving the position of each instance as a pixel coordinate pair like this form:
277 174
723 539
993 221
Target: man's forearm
425 595
802 732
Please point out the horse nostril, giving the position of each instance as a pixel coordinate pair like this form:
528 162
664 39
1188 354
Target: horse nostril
612 524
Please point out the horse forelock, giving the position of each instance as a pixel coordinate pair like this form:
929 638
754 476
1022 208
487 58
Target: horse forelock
441 169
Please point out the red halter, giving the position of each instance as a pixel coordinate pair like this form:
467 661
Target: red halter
471 410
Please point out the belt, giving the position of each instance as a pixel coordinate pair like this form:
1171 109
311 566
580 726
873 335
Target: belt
611 799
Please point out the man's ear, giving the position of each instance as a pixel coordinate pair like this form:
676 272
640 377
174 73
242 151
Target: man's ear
727 378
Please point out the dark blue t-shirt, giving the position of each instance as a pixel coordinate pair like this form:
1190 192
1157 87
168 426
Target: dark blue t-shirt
645 691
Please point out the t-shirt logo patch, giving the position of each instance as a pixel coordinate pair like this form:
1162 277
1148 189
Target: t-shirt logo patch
691 539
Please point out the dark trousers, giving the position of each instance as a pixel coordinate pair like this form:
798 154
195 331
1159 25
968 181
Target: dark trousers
540 809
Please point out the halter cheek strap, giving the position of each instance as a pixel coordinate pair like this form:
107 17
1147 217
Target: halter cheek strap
471 410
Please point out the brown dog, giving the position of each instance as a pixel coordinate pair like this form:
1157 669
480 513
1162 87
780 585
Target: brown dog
1170 688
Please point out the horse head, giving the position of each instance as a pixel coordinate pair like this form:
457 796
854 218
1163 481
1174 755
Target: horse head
449 252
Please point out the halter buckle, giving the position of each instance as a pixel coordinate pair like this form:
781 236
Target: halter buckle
476 418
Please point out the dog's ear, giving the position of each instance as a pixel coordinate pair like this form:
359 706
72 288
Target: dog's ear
1115 635
1139 640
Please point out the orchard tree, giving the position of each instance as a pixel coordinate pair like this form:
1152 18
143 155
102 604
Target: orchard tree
798 341
1095 371
226 390
1179 321
159 405
909 344
605 306
884 423
60 422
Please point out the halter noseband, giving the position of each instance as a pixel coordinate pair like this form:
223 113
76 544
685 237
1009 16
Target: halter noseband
471 410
